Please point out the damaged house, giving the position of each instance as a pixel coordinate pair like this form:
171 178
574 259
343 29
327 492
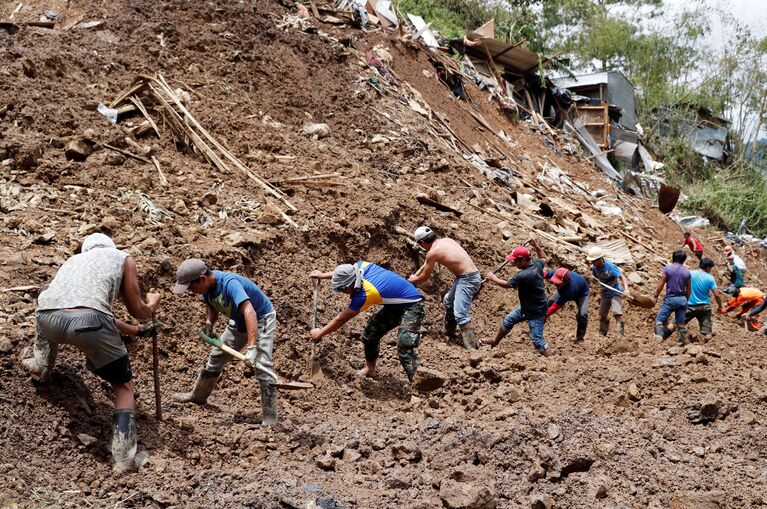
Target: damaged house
706 132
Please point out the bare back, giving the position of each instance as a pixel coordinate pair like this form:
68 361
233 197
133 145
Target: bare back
450 254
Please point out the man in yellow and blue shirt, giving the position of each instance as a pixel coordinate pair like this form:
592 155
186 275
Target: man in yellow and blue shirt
402 305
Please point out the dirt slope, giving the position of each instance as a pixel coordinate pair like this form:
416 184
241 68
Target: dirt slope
508 429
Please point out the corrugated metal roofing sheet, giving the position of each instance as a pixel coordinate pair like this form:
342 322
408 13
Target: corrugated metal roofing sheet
505 55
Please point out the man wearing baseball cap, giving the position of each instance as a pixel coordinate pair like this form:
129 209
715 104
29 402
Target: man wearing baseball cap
571 286
734 259
533 303
252 322
465 286
368 284
608 274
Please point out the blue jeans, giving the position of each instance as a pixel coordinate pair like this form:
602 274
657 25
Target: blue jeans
535 324
676 305
458 300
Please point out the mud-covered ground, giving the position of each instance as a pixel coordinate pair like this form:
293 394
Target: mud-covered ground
607 423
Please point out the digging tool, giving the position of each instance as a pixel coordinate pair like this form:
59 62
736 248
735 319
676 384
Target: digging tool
216 341
156 373
499 267
315 370
643 301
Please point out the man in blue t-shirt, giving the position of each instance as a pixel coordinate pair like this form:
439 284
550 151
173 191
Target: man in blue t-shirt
533 303
402 306
571 286
252 322
608 274
676 279
702 283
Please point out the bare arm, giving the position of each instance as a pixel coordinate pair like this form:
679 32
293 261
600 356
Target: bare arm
495 279
126 329
688 288
131 293
718 297
251 321
334 324
213 314
318 274
660 286
625 283
424 272
538 250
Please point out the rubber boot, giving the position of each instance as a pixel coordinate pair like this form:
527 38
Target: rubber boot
682 336
40 365
604 327
580 330
659 332
203 386
268 404
450 326
668 331
124 440
469 337
619 329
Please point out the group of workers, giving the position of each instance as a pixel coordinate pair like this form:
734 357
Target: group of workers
76 308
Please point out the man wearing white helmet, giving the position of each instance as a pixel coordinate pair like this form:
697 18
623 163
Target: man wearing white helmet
465 287
76 309
609 274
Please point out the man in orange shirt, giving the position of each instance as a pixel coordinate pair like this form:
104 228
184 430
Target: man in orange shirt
748 297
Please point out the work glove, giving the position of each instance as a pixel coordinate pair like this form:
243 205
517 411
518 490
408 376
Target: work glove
147 329
251 355
207 329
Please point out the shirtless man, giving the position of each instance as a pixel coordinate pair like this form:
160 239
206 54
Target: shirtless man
465 287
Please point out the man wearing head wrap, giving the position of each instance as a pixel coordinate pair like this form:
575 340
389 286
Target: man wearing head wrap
252 324
76 309
368 284
465 288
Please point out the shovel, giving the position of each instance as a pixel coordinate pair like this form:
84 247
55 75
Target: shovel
643 301
258 366
315 370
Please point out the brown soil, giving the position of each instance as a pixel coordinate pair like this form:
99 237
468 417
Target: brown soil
608 423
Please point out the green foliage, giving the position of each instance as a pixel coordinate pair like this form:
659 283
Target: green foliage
732 195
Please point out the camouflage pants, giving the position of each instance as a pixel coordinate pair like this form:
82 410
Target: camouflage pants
409 321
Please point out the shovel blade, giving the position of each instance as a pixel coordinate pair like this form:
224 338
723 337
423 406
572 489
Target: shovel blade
292 386
643 301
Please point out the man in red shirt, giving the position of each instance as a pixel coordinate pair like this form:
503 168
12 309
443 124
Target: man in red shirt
694 244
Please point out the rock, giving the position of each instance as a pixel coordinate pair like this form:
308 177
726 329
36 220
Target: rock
635 278
427 380
77 150
5 345
315 131
693 350
111 224
710 407
748 416
141 458
375 140
698 500
621 345
535 473
554 431
180 207
512 395
326 462
699 451
398 481
28 68
271 215
45 238
633 392
507 234
350 455
601 491
541 502
407 451
336 451
475 358
466 495
86 439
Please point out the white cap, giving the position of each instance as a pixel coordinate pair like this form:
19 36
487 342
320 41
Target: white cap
595 253
422 232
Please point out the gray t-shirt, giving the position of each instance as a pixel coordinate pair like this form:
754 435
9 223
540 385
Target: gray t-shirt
90 280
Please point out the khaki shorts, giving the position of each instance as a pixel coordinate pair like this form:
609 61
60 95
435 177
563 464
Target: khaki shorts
610 304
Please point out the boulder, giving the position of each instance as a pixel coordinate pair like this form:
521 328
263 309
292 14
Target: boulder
427 380
407 452
77 150
633 392
466 495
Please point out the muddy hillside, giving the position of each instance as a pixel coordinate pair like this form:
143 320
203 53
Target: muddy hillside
272 144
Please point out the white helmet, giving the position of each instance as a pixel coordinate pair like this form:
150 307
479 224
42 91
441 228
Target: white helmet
595 253
421 233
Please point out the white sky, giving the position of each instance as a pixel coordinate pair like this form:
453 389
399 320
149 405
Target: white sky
752 13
